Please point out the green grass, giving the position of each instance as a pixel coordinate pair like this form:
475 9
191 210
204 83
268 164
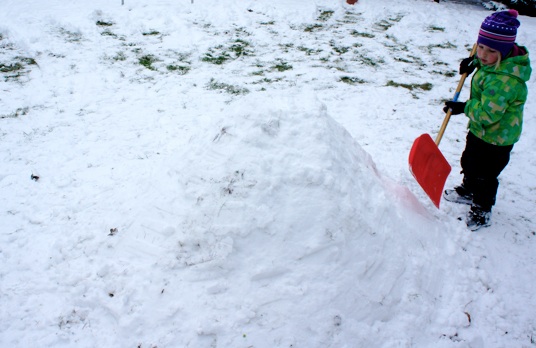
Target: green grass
338 49
119 57
15 69
309 51
433 28
313 27
446 45
70 36
385 24
413 86
9 68
362 34
267 80
325 15
109 33
16 113
220 54
410 60
180 69
352 80
240 48
369 61
151 33
281 66
351 18
104 24
147 61
217 59
445 73
224 87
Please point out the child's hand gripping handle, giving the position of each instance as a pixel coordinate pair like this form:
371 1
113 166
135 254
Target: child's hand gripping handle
456 96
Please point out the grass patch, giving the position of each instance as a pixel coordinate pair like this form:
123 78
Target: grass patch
445 73
104 24
109 33
338 49
147 61
9 68
286 47
433 28
281 66
227 88
151 33
397 18
403 60
180 69
385 24
350 18
119 57
361 34
352 80
325 15
17 68
370 61
217 59
413 86
16 113
258 73
309 51
396 45
70 36
220 54
313 27
240 48
411 60
267 80
446 45
27 61
5 46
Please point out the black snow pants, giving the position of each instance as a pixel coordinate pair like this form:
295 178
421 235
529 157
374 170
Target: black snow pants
481 165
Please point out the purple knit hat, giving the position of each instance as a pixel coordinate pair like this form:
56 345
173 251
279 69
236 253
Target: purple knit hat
499 30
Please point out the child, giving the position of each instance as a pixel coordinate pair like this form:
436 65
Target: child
495 112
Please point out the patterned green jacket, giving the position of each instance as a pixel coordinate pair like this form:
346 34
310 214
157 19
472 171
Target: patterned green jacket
498 96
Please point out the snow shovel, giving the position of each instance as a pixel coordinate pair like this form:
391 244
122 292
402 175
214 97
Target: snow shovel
426 162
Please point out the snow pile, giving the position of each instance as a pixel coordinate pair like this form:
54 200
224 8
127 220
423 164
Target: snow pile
265 227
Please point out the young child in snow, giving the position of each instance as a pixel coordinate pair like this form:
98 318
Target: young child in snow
495 112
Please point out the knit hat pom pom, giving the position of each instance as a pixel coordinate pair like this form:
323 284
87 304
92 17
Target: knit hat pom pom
513 13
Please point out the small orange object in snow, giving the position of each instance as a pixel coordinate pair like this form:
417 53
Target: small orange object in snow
351 2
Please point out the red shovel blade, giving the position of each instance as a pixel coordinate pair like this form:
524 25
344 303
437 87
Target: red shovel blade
429 167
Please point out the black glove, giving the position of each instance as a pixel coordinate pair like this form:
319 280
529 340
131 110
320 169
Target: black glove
457 107
467 66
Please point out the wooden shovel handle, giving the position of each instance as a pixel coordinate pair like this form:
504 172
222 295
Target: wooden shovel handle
456 95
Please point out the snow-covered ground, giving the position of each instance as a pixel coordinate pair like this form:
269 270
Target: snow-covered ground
233 173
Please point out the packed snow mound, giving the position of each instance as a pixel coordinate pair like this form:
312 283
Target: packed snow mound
258 224
277 219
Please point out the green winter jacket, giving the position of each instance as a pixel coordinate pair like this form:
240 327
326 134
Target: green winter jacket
498 96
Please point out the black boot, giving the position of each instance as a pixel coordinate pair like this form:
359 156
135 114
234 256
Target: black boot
459 195
477 218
